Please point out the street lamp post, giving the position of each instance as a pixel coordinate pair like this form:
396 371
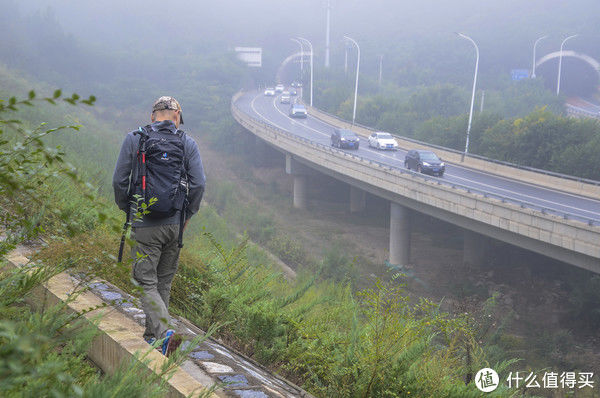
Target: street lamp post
301 57
534 59
472 94
357 69
311 68
346 61
560 62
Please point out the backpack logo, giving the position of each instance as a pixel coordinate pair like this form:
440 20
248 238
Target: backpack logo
164 156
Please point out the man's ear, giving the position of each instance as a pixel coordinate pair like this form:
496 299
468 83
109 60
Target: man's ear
152 118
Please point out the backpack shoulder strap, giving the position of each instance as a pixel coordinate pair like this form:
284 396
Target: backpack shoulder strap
182 136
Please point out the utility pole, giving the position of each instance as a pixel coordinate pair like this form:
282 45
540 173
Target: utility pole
327 34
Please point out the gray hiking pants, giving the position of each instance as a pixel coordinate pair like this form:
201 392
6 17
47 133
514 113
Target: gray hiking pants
155 273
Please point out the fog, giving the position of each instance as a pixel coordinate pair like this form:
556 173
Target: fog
129 52
504 29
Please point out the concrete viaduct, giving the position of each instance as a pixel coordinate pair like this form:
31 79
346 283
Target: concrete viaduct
481 215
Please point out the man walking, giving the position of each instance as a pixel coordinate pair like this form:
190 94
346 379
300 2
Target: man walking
161 166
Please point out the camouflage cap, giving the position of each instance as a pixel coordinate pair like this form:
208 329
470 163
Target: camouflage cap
167 102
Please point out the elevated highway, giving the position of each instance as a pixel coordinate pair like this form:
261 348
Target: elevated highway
553 215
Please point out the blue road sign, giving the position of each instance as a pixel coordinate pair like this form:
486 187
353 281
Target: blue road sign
519 74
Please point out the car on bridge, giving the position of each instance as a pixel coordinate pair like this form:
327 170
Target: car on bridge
293 91
270 91
279 88
285 97
296 83
298 110
344 138
383 140
425 162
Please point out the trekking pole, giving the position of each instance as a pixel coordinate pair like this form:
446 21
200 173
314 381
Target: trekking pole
123 235
182 223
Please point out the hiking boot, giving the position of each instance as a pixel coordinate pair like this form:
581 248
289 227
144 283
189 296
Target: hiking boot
171 343
150 340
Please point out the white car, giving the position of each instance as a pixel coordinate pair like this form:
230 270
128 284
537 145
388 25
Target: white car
382 140
279 88
270 91
285 97
298 110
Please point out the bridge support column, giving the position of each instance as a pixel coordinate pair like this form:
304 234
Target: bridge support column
474 248
358 199
300 173
300 196
399 234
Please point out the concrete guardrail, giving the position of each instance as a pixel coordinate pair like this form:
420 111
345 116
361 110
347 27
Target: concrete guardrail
574 185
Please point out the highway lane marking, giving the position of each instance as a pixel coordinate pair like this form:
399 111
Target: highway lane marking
368 149
453 175
458 177
261 115
485 174
529 196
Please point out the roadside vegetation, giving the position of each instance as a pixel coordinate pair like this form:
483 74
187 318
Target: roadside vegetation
43 351
324 335
330 330
522 122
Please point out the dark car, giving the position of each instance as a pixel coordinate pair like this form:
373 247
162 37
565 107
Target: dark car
293 91
298 110
425 162
343 138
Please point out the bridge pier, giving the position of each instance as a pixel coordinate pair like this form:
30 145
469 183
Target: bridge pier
399 234
300 196
300 173
358 199
474 248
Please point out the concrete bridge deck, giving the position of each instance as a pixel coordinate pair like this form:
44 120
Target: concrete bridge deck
555 217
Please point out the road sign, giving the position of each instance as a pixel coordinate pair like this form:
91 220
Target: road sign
252 56
519 74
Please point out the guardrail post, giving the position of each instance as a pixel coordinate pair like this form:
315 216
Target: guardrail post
399 234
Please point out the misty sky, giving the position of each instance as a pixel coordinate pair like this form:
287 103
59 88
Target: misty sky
407 33
258 22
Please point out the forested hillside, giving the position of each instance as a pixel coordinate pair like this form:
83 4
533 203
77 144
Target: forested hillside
334 330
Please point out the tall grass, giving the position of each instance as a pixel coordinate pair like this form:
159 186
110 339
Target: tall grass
334 342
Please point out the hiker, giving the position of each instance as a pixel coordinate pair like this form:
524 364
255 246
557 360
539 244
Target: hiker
159 161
